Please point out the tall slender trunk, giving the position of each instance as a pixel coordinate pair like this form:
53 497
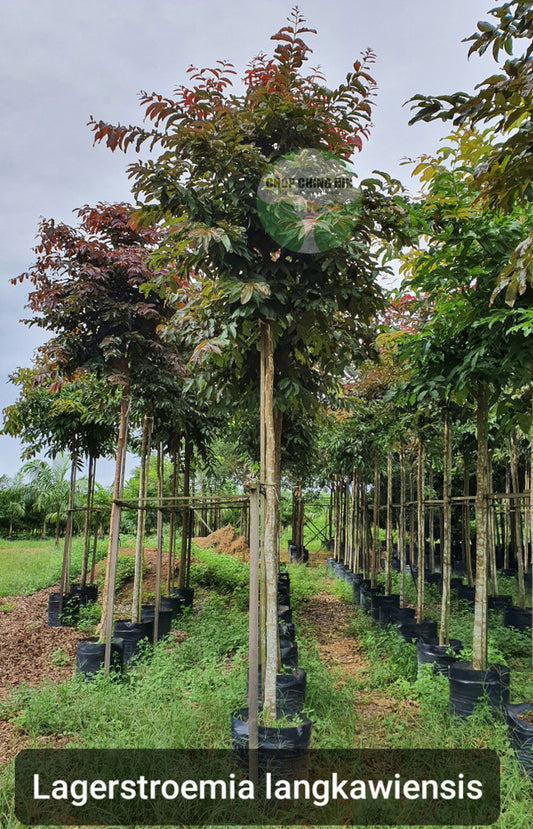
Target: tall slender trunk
106 625
375 524
172 516
65 570
270 552
87 524
446 540
388 553
507 535
353 523
492 534
185 522
431 517
159 551
479 646
401 527
148 423
518 521
421 533
466 523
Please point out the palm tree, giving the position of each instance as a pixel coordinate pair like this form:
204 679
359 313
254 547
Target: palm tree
49 481
12 504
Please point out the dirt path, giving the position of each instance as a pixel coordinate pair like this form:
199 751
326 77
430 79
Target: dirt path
329 618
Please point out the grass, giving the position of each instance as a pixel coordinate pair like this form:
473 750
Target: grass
30 566
181 694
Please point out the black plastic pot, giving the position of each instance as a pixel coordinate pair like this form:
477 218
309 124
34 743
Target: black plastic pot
284 613
164 619
70 613
289 653
283 750
339 570
456 582
290 690
499 602
356 587
284 595
86 594
521 734
185 593
366 594
466 593
173 603
517 617
378 600
284 577
402 614
388 606
468 686
90 656
131 634
432 578
426 630
286 630
330 565
440 657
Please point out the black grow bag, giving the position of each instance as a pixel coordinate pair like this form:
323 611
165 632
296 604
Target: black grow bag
290 691
131 634
356 587
90 656
164 619
339 570
466 593
468 686
402 614
184 593
284 614
410 631
440 657
289 653
282 750
521 734
86 594
70 613
330 565
499 602
386 607
517 617
286 630
173 603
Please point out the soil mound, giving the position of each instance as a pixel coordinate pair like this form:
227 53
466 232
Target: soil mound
225 540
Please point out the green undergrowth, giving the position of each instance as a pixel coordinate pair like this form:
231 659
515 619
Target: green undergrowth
181 693
27 566
392 672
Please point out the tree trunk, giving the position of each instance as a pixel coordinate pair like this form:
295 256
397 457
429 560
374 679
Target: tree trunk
375 524
148 423
479 648
65 570
431 515
88 514
270 552
106 625
466 522
401 528
185 522
388 553
446 540
159 552
172 516
421 533
518 521
507 535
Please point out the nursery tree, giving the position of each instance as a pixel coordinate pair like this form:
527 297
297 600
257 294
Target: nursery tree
305 313
466 349
86 290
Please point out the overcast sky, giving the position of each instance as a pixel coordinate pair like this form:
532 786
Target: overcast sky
65 60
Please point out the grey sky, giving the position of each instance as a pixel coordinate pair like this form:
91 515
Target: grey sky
64 60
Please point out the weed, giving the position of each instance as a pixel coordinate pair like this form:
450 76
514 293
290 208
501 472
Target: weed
60 658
